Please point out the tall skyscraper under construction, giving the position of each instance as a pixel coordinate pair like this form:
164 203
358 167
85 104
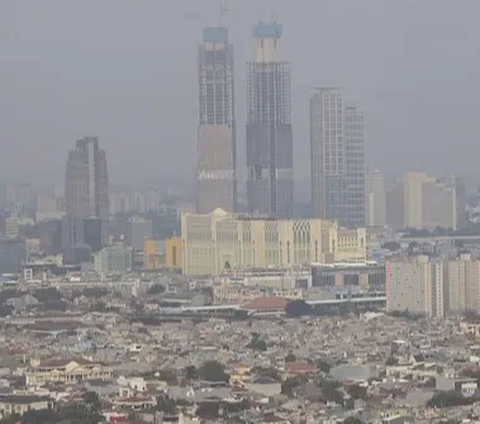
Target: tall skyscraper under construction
86 185
216 166
269 127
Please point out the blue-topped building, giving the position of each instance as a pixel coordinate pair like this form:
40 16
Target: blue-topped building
215 35
264 30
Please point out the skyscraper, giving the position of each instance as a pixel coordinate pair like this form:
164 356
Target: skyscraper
337 159
375 199
269 127
86 182
355 166
216 167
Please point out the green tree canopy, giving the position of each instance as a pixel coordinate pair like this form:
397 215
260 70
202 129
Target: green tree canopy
213 371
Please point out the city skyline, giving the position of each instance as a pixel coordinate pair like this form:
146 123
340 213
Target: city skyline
393 93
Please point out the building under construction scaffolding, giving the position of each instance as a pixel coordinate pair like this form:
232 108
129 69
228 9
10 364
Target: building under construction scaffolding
216 166
269 127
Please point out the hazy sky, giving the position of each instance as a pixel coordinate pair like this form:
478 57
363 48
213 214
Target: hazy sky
125 70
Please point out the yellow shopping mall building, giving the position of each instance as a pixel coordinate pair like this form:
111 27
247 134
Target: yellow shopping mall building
217 241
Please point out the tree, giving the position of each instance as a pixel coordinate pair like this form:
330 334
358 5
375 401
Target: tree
213 371
393 246
448 399
323 366
391 361
330 391
290 384
95 292
290 357
191 372
353 420
166 405
168 375
357 392
208 410
10 419
47 295
98 307
42 416
256 343
156 289
298 308
269 372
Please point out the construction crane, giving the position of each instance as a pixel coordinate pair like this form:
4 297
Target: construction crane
223 7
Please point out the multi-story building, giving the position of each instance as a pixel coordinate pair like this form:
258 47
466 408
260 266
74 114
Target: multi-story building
113 260
163 254
337 159
375 199
219 241
355 166
216 166
461 201
67 371
421 202
368 276
416 285
50 236
86 182
12 227
138 230
140 202
49 206
434 287
239 293
269 127
12 255
463 284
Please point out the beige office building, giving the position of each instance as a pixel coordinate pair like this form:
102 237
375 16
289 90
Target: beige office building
375 199
212 243
420 201
416 285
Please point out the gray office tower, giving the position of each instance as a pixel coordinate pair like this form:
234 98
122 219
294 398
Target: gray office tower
337 159
269 127
86 185
216 167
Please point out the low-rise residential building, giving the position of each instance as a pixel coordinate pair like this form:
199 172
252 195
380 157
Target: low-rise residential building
67 371
19 404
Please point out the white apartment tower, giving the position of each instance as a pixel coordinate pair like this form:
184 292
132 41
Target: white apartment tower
416 286
463 284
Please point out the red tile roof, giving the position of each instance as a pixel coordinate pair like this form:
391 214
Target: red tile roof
267 304
297 367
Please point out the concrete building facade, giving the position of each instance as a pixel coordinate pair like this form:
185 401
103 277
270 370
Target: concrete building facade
216 242
421 202
86 182
417 286
463 284
375 199
216 166
337 159
269 127
113 260
138 230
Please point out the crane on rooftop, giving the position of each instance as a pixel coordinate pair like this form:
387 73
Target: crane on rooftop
223 7
223 11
